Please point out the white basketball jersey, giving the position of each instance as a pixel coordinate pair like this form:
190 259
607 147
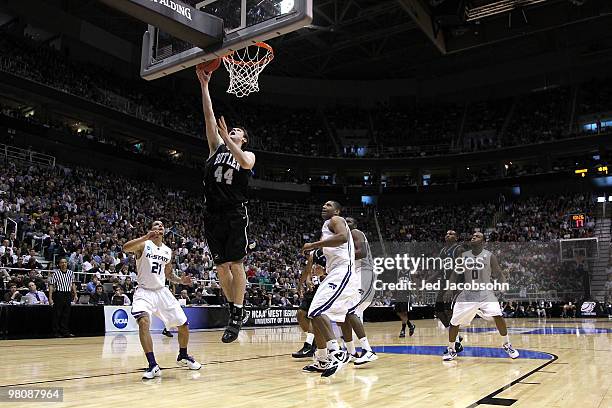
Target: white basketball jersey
151 265
479 275
341 255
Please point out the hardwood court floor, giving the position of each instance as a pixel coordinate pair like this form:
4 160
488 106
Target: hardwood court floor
258 371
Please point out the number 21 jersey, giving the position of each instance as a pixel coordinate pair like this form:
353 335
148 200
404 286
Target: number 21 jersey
151 266
225 182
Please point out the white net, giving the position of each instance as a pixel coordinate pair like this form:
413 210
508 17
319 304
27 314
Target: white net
244 67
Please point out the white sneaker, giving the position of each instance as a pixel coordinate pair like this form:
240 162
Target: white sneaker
449 355
317 366
337 360
353 357
188 362
511 351
151 373
366 357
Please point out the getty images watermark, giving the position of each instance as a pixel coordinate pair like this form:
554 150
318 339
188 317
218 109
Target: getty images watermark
441 269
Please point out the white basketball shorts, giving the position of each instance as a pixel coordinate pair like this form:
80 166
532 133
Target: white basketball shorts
336 294
161 303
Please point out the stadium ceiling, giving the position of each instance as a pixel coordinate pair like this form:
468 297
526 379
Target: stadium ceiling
380 39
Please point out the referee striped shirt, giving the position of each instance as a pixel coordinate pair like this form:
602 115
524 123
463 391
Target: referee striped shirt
62 281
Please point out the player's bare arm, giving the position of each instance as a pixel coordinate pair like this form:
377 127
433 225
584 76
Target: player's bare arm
212 136
246 160
359 242
136 246
337 225
305 276
174 278
496 271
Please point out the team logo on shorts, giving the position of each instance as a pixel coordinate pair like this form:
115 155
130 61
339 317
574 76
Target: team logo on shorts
332 285
120 319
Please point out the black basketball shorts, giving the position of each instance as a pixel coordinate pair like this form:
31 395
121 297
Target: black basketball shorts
401 307
226 234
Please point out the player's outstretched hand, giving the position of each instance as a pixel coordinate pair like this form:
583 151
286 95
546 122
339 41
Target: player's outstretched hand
203 76
307 248
186 280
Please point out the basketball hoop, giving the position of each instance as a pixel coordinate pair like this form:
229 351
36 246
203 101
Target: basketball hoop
244 67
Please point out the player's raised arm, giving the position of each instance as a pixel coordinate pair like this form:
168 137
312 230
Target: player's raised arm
359 242
137 245
337 225
214 140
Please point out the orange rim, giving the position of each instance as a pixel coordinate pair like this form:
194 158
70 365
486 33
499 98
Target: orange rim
266 60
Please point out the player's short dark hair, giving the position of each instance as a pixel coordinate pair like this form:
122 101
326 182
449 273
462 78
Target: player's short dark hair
354 221
337 205
246 134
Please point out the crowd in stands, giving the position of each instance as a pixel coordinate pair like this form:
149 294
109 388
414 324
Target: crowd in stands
86 217
418 129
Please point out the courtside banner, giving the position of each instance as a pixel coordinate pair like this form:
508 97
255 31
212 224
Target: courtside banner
120 319
270 317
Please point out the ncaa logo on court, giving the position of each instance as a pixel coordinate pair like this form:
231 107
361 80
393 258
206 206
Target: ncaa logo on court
247 314
120 319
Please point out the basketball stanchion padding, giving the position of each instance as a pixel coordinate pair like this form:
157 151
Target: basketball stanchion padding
244 67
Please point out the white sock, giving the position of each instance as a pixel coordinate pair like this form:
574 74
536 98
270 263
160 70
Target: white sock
350 346
457 339
238 305
365 344
321 354
332 345
309 338
451 345
506 339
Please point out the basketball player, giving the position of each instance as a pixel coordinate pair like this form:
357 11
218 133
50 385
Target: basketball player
153 266
469 302
444 308
334 296
364 270
401 309
313 274
226 180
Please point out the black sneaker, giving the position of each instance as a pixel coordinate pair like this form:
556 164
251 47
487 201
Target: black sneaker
402 334
233 327
458 345
411 328
167 333
307 350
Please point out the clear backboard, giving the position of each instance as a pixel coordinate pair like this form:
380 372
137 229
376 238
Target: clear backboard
245 22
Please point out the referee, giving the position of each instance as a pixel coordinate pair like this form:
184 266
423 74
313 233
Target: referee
61 293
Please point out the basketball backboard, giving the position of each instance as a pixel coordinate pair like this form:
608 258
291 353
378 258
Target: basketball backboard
245 23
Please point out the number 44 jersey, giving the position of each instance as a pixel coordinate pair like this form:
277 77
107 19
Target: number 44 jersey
151 266
225 182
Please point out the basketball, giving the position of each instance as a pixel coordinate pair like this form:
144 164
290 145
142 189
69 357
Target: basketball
210 66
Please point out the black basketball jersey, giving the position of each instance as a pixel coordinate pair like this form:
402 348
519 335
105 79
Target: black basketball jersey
226 184
452 251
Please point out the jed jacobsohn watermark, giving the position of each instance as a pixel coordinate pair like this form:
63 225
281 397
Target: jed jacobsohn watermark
436 274
31 394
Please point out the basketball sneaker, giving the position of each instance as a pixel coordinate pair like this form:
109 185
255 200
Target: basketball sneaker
317 366
449 354
402 333
233 327
152 372
167 333
458 345
307 350
511 351
188 361
366 357
411 328
337 360
353 357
